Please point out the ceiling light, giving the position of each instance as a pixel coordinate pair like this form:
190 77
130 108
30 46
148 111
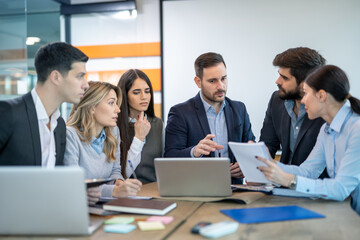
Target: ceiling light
129 14
32 40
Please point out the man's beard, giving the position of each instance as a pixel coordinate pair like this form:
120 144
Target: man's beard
292 95
213 97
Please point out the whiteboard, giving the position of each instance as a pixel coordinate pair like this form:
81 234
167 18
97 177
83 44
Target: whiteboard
249 34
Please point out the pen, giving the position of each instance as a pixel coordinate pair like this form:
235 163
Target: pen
132 168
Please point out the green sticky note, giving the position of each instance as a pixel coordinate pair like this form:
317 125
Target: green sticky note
119 220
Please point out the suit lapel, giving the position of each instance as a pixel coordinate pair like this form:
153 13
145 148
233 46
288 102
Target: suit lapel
201 114
57 137
285 135
229 115
229 119
34 127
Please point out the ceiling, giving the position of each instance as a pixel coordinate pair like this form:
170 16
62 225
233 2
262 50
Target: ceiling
74 2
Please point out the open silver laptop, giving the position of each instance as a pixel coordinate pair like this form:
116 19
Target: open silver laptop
193 177
38 201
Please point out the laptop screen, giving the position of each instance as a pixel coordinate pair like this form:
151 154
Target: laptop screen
39 201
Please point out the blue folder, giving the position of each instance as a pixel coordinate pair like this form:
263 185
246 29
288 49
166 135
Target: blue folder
270 214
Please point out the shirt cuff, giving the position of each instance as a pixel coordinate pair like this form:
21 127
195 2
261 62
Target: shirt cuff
137 144
305 185
106 190
192 153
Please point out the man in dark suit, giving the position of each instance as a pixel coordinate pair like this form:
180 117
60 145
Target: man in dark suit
31 129
286 123
203 125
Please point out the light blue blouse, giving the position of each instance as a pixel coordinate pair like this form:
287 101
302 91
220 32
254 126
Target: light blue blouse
338 149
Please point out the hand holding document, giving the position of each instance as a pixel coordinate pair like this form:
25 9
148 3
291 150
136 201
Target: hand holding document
245 155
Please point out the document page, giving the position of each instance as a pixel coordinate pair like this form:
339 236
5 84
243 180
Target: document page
245 155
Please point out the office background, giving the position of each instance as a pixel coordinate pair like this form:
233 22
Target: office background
247 33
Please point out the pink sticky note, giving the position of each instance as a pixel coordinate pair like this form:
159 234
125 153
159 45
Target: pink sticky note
163 219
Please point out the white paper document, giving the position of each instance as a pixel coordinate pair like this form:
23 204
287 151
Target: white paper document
245 155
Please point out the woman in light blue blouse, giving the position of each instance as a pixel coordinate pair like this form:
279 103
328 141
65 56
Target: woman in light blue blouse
92 141
326 92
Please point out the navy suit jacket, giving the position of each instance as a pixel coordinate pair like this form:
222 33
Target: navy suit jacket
187 124
19 133
276 132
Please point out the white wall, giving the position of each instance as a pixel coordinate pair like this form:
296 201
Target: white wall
249 34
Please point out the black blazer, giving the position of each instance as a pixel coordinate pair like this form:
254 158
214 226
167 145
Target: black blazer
276 132
19 133
187 124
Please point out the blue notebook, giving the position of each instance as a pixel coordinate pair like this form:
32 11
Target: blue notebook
270 214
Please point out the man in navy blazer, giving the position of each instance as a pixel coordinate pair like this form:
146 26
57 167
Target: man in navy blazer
31 129
203 125
286 123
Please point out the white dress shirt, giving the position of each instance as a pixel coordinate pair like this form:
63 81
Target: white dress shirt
47 138
134 153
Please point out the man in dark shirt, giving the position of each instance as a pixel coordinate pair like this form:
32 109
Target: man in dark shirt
286 124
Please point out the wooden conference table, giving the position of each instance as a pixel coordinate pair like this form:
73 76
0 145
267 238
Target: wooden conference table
341 221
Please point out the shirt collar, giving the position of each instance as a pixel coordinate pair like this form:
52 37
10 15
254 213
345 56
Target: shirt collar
40 109
289 105
207 106
100 139
339 119
133 120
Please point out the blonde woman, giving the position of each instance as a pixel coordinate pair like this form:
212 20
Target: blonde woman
93 141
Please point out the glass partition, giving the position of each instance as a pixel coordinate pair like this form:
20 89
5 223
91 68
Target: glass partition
13 56
25 25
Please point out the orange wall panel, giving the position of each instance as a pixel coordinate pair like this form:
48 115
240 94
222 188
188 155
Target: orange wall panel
122 50
114 77
157 109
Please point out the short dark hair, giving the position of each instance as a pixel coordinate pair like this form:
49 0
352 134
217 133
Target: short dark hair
333 80
125 83
56 56
301 61
207 60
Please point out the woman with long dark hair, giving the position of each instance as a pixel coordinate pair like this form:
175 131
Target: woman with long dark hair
338 143
140 129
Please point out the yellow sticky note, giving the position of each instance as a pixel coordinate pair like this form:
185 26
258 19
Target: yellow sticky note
119 220
148 226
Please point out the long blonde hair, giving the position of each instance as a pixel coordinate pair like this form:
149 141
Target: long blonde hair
82 119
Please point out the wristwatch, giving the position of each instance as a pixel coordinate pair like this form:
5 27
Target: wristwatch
293 183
